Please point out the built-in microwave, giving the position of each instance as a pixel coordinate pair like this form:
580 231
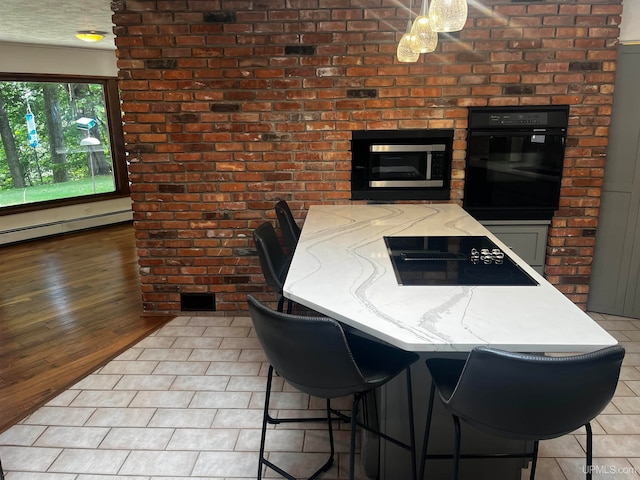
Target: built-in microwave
401 165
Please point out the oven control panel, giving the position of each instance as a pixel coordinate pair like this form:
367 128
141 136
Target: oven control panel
530 118
491 118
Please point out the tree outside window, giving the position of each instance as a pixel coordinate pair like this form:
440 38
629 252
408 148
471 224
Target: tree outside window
60 140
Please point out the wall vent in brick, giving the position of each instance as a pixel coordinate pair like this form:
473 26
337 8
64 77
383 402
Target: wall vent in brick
198 302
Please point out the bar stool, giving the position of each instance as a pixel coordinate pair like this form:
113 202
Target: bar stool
318 357
523 396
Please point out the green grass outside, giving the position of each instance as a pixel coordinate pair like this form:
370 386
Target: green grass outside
56 191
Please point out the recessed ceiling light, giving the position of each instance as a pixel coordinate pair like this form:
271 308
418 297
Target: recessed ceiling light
90 35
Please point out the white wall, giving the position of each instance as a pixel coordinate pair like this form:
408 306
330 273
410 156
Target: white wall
630 26
20 58
16 58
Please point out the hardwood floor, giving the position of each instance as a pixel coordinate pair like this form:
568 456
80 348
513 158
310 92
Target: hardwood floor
68 305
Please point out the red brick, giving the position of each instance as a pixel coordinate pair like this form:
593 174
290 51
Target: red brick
290 136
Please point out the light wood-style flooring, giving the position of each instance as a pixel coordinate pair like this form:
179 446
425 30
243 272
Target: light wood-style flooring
68 305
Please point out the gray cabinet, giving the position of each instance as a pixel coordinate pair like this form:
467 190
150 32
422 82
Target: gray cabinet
615 279
527 238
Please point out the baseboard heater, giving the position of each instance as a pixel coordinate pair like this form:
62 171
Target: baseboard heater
48 229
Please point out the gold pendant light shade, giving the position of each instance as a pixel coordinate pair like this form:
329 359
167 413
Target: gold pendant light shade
423 38
422 34
448 15
404 51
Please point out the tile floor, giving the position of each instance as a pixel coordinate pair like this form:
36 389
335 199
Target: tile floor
187 401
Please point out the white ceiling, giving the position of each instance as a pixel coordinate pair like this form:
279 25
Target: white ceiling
55 22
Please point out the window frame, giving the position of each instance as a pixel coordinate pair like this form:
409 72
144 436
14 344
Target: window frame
116 141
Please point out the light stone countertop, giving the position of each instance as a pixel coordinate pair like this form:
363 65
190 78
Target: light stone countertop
341 268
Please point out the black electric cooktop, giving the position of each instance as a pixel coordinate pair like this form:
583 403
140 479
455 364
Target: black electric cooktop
453 260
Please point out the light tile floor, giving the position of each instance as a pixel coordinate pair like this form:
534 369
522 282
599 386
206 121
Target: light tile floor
186 402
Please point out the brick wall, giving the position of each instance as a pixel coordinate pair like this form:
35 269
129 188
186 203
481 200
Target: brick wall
231 105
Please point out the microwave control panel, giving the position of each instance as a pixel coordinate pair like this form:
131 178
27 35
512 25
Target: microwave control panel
438 165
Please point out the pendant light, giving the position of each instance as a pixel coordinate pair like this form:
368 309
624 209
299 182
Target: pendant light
448 15
404 51
423 38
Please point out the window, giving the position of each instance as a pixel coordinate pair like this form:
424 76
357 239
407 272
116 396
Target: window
61 142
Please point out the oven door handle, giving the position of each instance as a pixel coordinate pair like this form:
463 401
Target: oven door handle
515 132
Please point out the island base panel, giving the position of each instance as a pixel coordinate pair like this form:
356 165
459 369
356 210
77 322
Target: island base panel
394 461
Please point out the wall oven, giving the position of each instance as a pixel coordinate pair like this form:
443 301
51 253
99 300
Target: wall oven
401 164
514 162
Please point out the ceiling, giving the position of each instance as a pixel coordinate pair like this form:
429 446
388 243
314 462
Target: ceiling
55 22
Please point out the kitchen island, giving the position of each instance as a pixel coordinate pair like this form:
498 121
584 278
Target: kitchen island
343 269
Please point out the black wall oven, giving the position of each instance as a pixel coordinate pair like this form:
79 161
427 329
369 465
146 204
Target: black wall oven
401 164
514 162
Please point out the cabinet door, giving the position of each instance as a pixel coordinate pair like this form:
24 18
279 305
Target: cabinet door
615 286
528 241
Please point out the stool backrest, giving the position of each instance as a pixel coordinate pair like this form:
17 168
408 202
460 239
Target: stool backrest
534 396
311 353
273 260
290 229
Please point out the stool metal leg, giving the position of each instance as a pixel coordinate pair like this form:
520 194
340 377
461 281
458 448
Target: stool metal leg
281 304
332 415
267 419
281 301
589 451
456 457
412 428
534 460
352 444
411 446
427 429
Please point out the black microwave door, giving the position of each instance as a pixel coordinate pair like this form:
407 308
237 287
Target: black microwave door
394 166
514 170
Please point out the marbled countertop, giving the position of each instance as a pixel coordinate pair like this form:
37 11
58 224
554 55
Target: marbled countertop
341 268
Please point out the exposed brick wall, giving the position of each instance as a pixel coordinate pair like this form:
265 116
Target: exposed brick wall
231 105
